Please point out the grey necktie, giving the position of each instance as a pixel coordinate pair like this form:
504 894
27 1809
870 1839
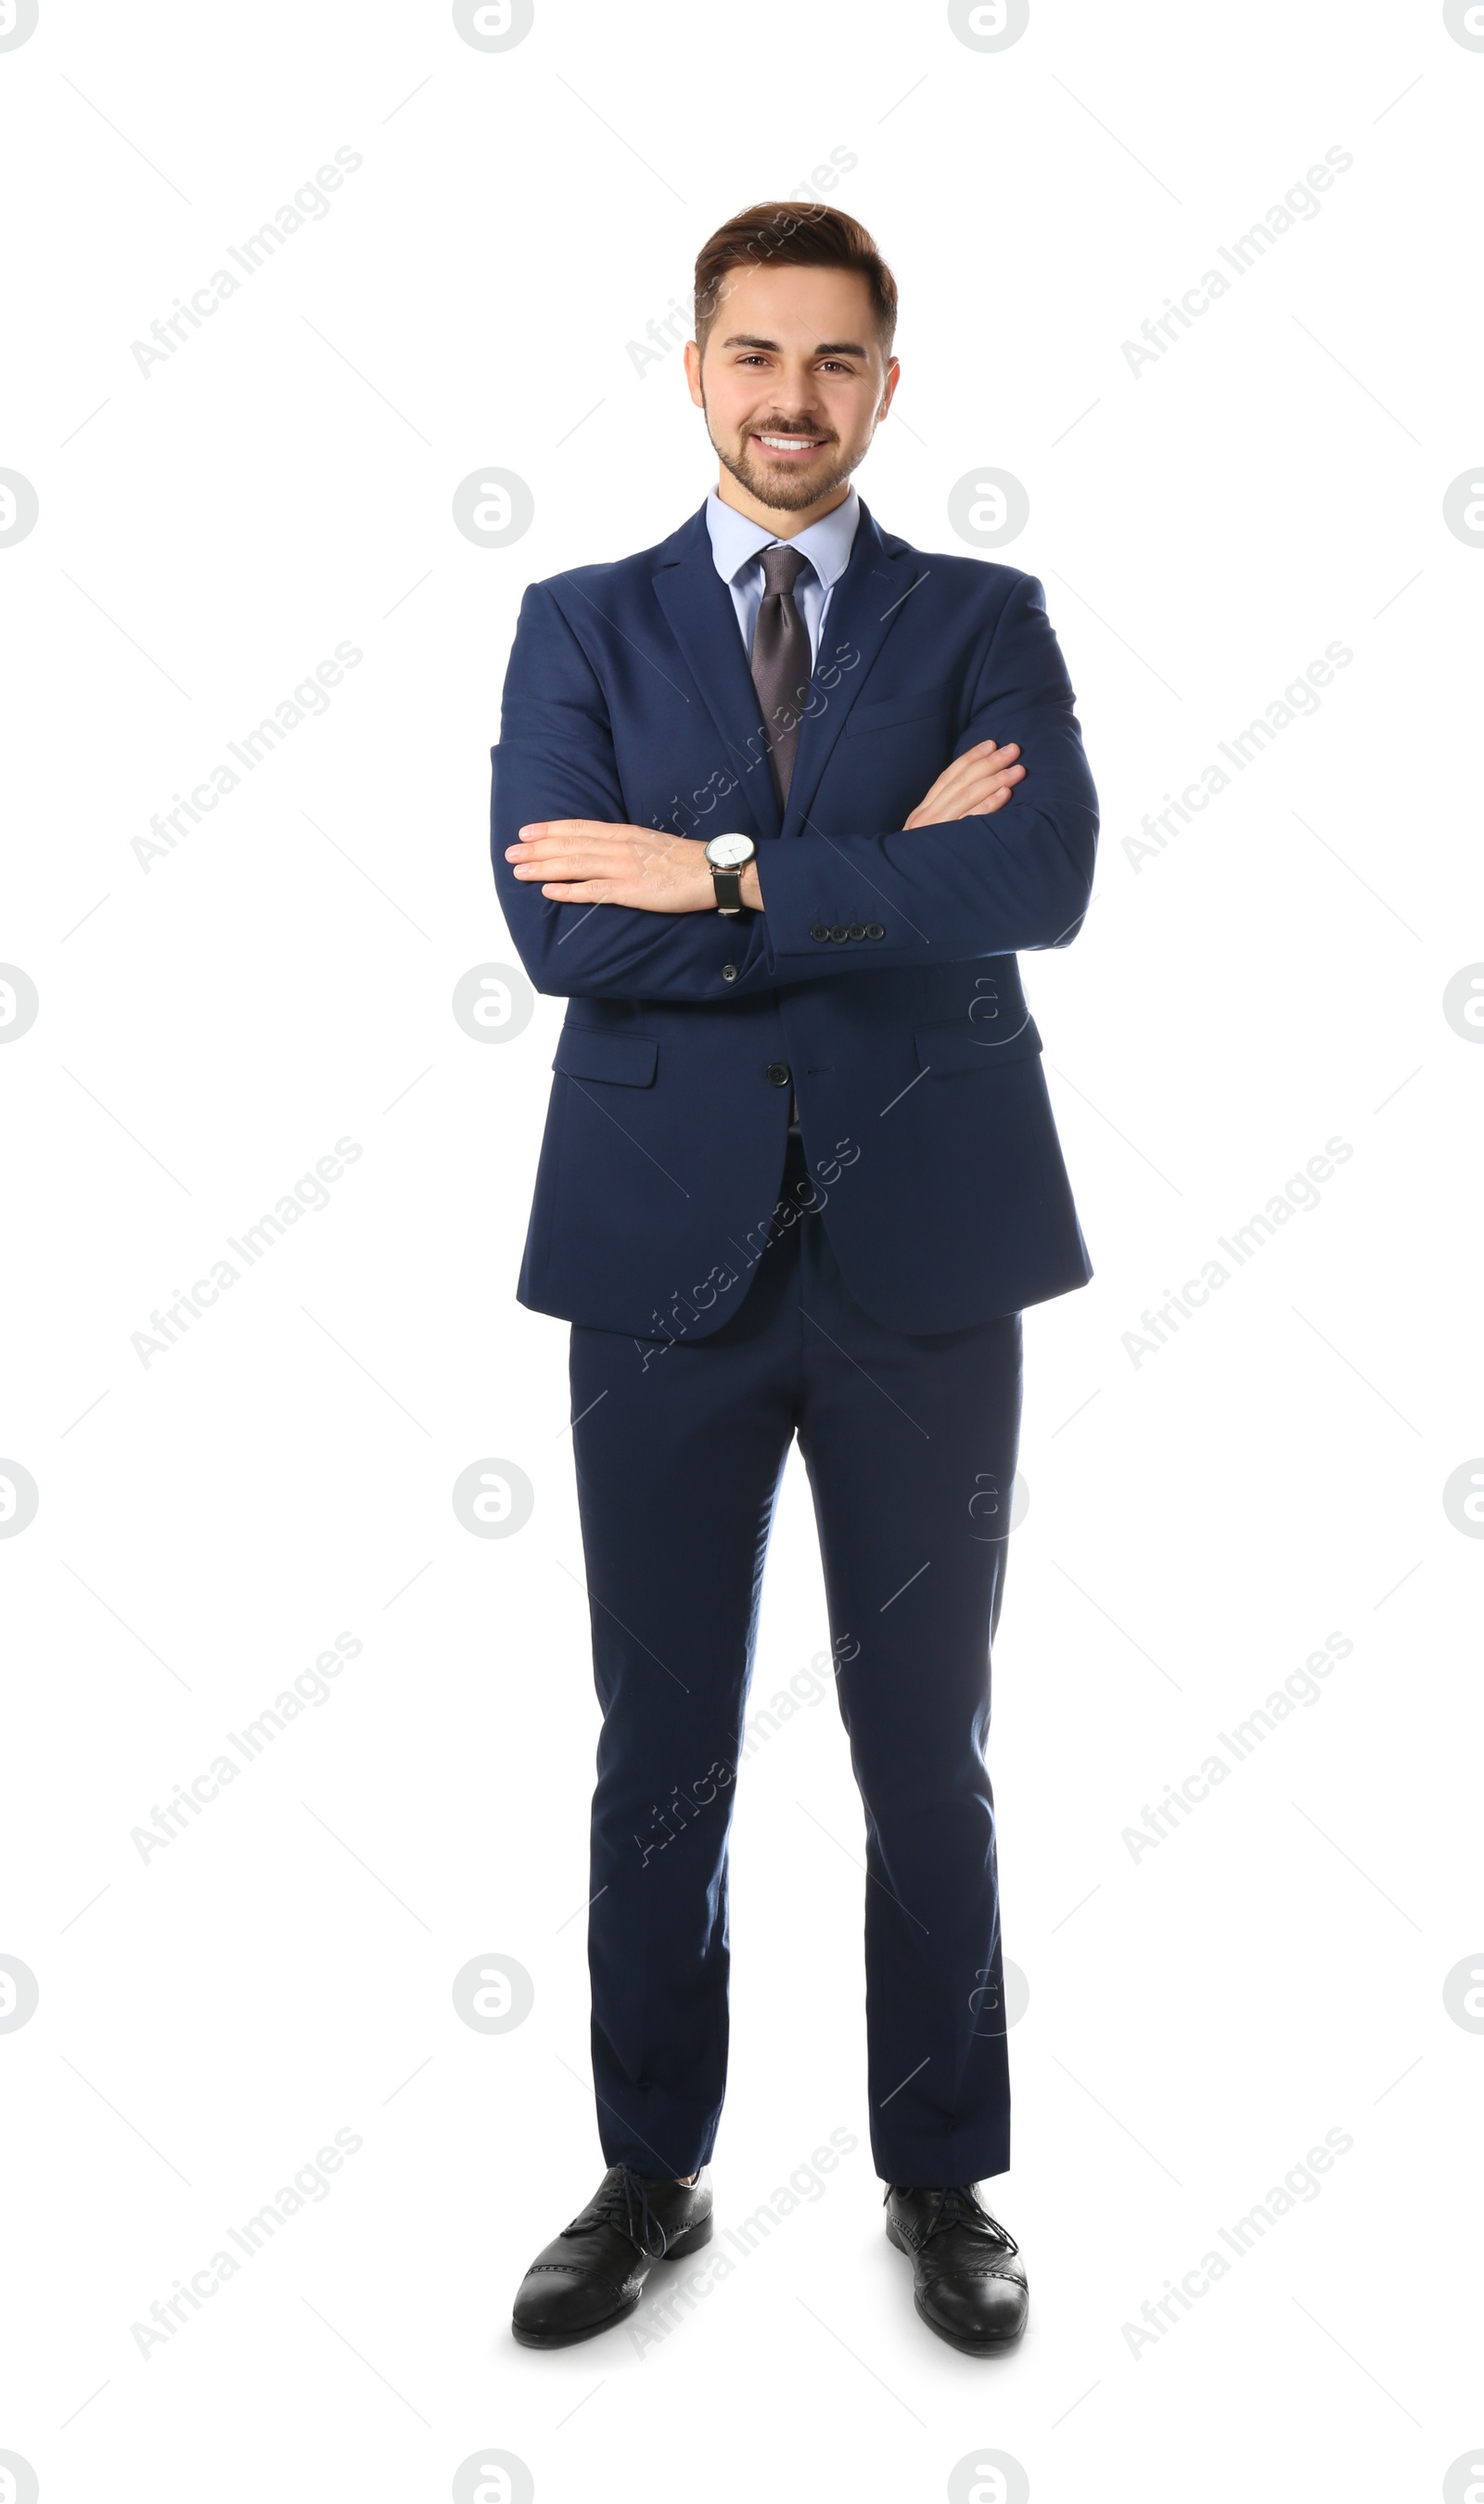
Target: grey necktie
782 663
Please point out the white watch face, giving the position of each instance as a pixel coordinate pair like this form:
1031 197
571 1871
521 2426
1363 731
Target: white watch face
730 851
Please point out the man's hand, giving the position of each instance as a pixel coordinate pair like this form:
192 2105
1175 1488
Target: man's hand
578 860
974 785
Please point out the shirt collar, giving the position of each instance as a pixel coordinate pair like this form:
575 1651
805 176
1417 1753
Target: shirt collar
827 544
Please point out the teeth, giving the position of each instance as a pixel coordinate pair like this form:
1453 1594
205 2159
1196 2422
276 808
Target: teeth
791 443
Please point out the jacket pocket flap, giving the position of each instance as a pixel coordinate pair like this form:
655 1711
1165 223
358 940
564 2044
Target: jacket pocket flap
888 711
975 1043
622 1060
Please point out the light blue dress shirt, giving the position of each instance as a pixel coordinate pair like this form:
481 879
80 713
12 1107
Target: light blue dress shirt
736 543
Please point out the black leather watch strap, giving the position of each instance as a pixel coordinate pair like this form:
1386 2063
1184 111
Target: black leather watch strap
728 886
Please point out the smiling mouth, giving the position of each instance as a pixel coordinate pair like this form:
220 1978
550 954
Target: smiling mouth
790 447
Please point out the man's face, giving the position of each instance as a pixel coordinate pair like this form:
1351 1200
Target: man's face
793 383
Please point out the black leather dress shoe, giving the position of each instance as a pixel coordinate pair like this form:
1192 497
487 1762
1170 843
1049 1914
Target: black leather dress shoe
594 2273
970 2285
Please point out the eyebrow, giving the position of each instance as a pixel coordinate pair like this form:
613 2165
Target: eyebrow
830 348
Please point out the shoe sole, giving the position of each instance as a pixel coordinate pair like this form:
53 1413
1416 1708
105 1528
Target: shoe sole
989 2346
690 2241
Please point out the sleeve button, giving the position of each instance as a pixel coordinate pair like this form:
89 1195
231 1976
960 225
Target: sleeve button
821 930
857 930
875 930
729 973
840 931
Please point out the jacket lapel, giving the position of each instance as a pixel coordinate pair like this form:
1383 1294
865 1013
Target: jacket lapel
698 606
867 601
871 595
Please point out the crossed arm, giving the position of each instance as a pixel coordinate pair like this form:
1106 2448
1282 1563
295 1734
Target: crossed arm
601 908
579 860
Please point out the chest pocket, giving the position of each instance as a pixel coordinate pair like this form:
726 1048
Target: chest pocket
888 713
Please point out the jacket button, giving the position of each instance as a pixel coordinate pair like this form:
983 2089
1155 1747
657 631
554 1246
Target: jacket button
821 930
779 1073
729 973
875 930
857 930
840 931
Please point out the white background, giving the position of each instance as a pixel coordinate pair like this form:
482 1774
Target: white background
1198 1522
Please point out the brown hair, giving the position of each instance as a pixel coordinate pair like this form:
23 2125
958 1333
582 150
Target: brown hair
796 233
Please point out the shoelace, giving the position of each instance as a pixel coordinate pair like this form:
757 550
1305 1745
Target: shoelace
958 2207
625 2203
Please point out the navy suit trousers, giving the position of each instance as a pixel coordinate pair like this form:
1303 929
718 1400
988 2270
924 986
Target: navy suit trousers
910 1446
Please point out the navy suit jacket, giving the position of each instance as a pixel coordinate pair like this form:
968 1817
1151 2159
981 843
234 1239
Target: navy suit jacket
880 981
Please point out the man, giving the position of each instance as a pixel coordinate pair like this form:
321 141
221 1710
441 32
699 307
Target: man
775 803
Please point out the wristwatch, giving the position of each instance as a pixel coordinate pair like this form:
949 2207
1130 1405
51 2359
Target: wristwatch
729 855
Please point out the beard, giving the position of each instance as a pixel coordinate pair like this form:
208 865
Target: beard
776 487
